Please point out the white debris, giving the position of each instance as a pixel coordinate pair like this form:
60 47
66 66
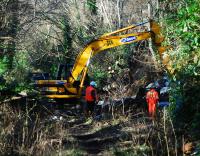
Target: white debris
23 93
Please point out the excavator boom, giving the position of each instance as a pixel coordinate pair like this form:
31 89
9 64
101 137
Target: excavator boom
102 44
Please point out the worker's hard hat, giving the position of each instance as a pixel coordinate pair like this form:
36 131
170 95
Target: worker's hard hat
92 83
152 87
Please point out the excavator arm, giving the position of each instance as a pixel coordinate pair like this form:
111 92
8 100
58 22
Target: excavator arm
102 44
66 88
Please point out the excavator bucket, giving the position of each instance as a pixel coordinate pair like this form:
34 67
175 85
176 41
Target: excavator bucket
155 28
158 39
162 49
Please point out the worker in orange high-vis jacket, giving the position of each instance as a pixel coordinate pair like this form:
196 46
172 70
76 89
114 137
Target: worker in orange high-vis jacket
91 98
152 100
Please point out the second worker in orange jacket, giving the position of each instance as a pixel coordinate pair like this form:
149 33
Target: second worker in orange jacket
152 100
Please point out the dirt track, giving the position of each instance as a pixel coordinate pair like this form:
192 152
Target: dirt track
105 136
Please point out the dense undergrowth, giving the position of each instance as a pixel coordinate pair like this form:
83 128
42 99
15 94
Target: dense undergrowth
35 130
26 131
182 29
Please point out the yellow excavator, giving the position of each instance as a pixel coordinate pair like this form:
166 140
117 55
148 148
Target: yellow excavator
72 86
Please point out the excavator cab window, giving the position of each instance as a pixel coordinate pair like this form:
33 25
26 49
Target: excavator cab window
39 76
64 71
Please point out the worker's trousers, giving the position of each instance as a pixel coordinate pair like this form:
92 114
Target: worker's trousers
152 108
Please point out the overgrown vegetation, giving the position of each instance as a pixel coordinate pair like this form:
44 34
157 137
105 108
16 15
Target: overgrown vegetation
37 35
183 35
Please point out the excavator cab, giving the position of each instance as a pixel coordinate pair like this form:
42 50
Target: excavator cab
64 71
39 76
